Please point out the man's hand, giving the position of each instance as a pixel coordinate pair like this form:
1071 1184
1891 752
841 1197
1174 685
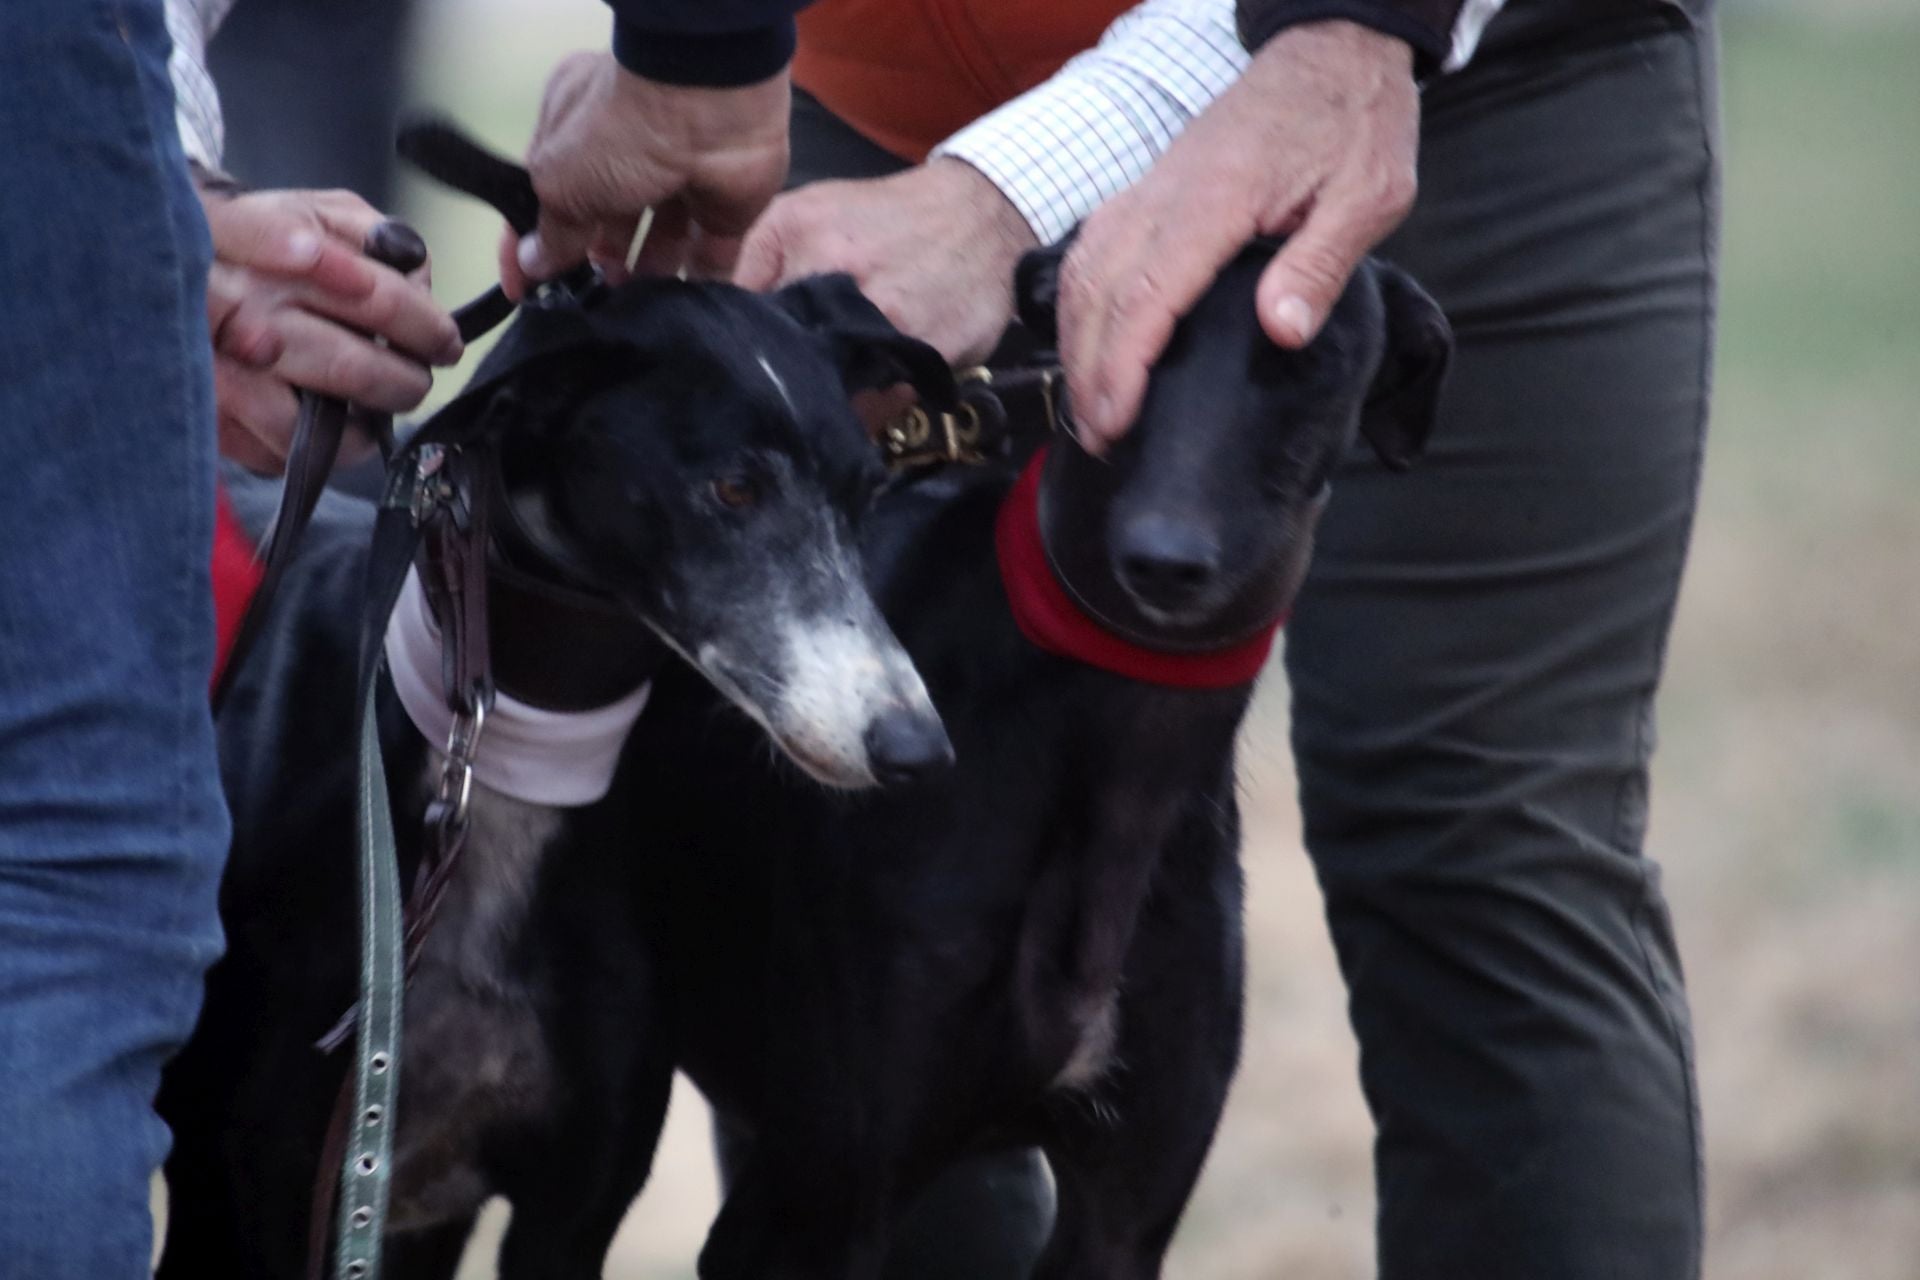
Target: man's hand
1318 140
933 247
611 145
292 302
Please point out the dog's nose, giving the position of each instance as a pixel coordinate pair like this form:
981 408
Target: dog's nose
1165 563
904 745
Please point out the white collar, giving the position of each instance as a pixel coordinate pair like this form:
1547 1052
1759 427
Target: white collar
556 758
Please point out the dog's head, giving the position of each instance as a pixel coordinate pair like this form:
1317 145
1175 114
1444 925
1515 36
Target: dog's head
693 455
1196 530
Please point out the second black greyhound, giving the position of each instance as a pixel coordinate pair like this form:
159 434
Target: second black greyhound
1043 945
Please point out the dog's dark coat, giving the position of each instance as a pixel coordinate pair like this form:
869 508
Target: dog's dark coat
1042 946
702 472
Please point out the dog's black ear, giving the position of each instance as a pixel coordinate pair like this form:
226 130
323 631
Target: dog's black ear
1036 289
869 351
1405 397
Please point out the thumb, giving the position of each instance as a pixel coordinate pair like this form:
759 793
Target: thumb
555 246
715 256
512 279
762 255
1124 287
1300 286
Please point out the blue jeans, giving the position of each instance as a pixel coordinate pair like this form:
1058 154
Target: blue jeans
112 827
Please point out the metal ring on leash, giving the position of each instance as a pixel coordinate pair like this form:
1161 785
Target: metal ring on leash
463 747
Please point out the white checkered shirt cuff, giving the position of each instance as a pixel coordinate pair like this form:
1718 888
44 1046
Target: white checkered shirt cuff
1098 125
196 108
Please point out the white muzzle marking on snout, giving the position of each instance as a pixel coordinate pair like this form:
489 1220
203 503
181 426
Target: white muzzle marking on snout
840 676
556 758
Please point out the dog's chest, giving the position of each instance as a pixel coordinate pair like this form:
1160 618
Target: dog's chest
475 1053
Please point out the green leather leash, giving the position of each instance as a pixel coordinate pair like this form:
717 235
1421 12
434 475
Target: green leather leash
421 495
367 1175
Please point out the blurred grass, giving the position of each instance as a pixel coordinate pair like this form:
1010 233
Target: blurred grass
1787 794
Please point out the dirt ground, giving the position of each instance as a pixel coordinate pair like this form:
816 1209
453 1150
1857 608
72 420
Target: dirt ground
1787 796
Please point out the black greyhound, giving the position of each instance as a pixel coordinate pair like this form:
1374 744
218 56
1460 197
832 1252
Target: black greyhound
1043 945
678 466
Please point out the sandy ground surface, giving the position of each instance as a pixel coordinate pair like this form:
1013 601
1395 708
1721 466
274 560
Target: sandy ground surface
1787 797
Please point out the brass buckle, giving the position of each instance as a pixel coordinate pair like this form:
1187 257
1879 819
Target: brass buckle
914 437
1056 415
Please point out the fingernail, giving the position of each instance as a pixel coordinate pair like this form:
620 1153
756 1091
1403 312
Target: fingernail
529 255
303 248
1292 312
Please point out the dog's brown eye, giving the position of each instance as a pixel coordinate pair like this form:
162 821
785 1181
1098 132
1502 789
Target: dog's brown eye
735 492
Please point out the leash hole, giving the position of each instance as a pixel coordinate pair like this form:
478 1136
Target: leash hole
374 1115
365 1165
362 1216
357 1268
378 1063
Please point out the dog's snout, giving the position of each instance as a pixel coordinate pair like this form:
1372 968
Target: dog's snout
904 745
1165 563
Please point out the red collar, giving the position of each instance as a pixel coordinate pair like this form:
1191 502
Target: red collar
236 576
1051 620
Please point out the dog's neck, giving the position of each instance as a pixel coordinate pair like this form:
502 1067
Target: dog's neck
571 669
562 648
556 642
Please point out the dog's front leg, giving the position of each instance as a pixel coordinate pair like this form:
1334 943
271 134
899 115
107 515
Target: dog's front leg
1127 1147
804 1219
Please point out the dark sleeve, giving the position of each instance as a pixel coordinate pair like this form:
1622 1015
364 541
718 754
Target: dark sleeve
1427 25
708 43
